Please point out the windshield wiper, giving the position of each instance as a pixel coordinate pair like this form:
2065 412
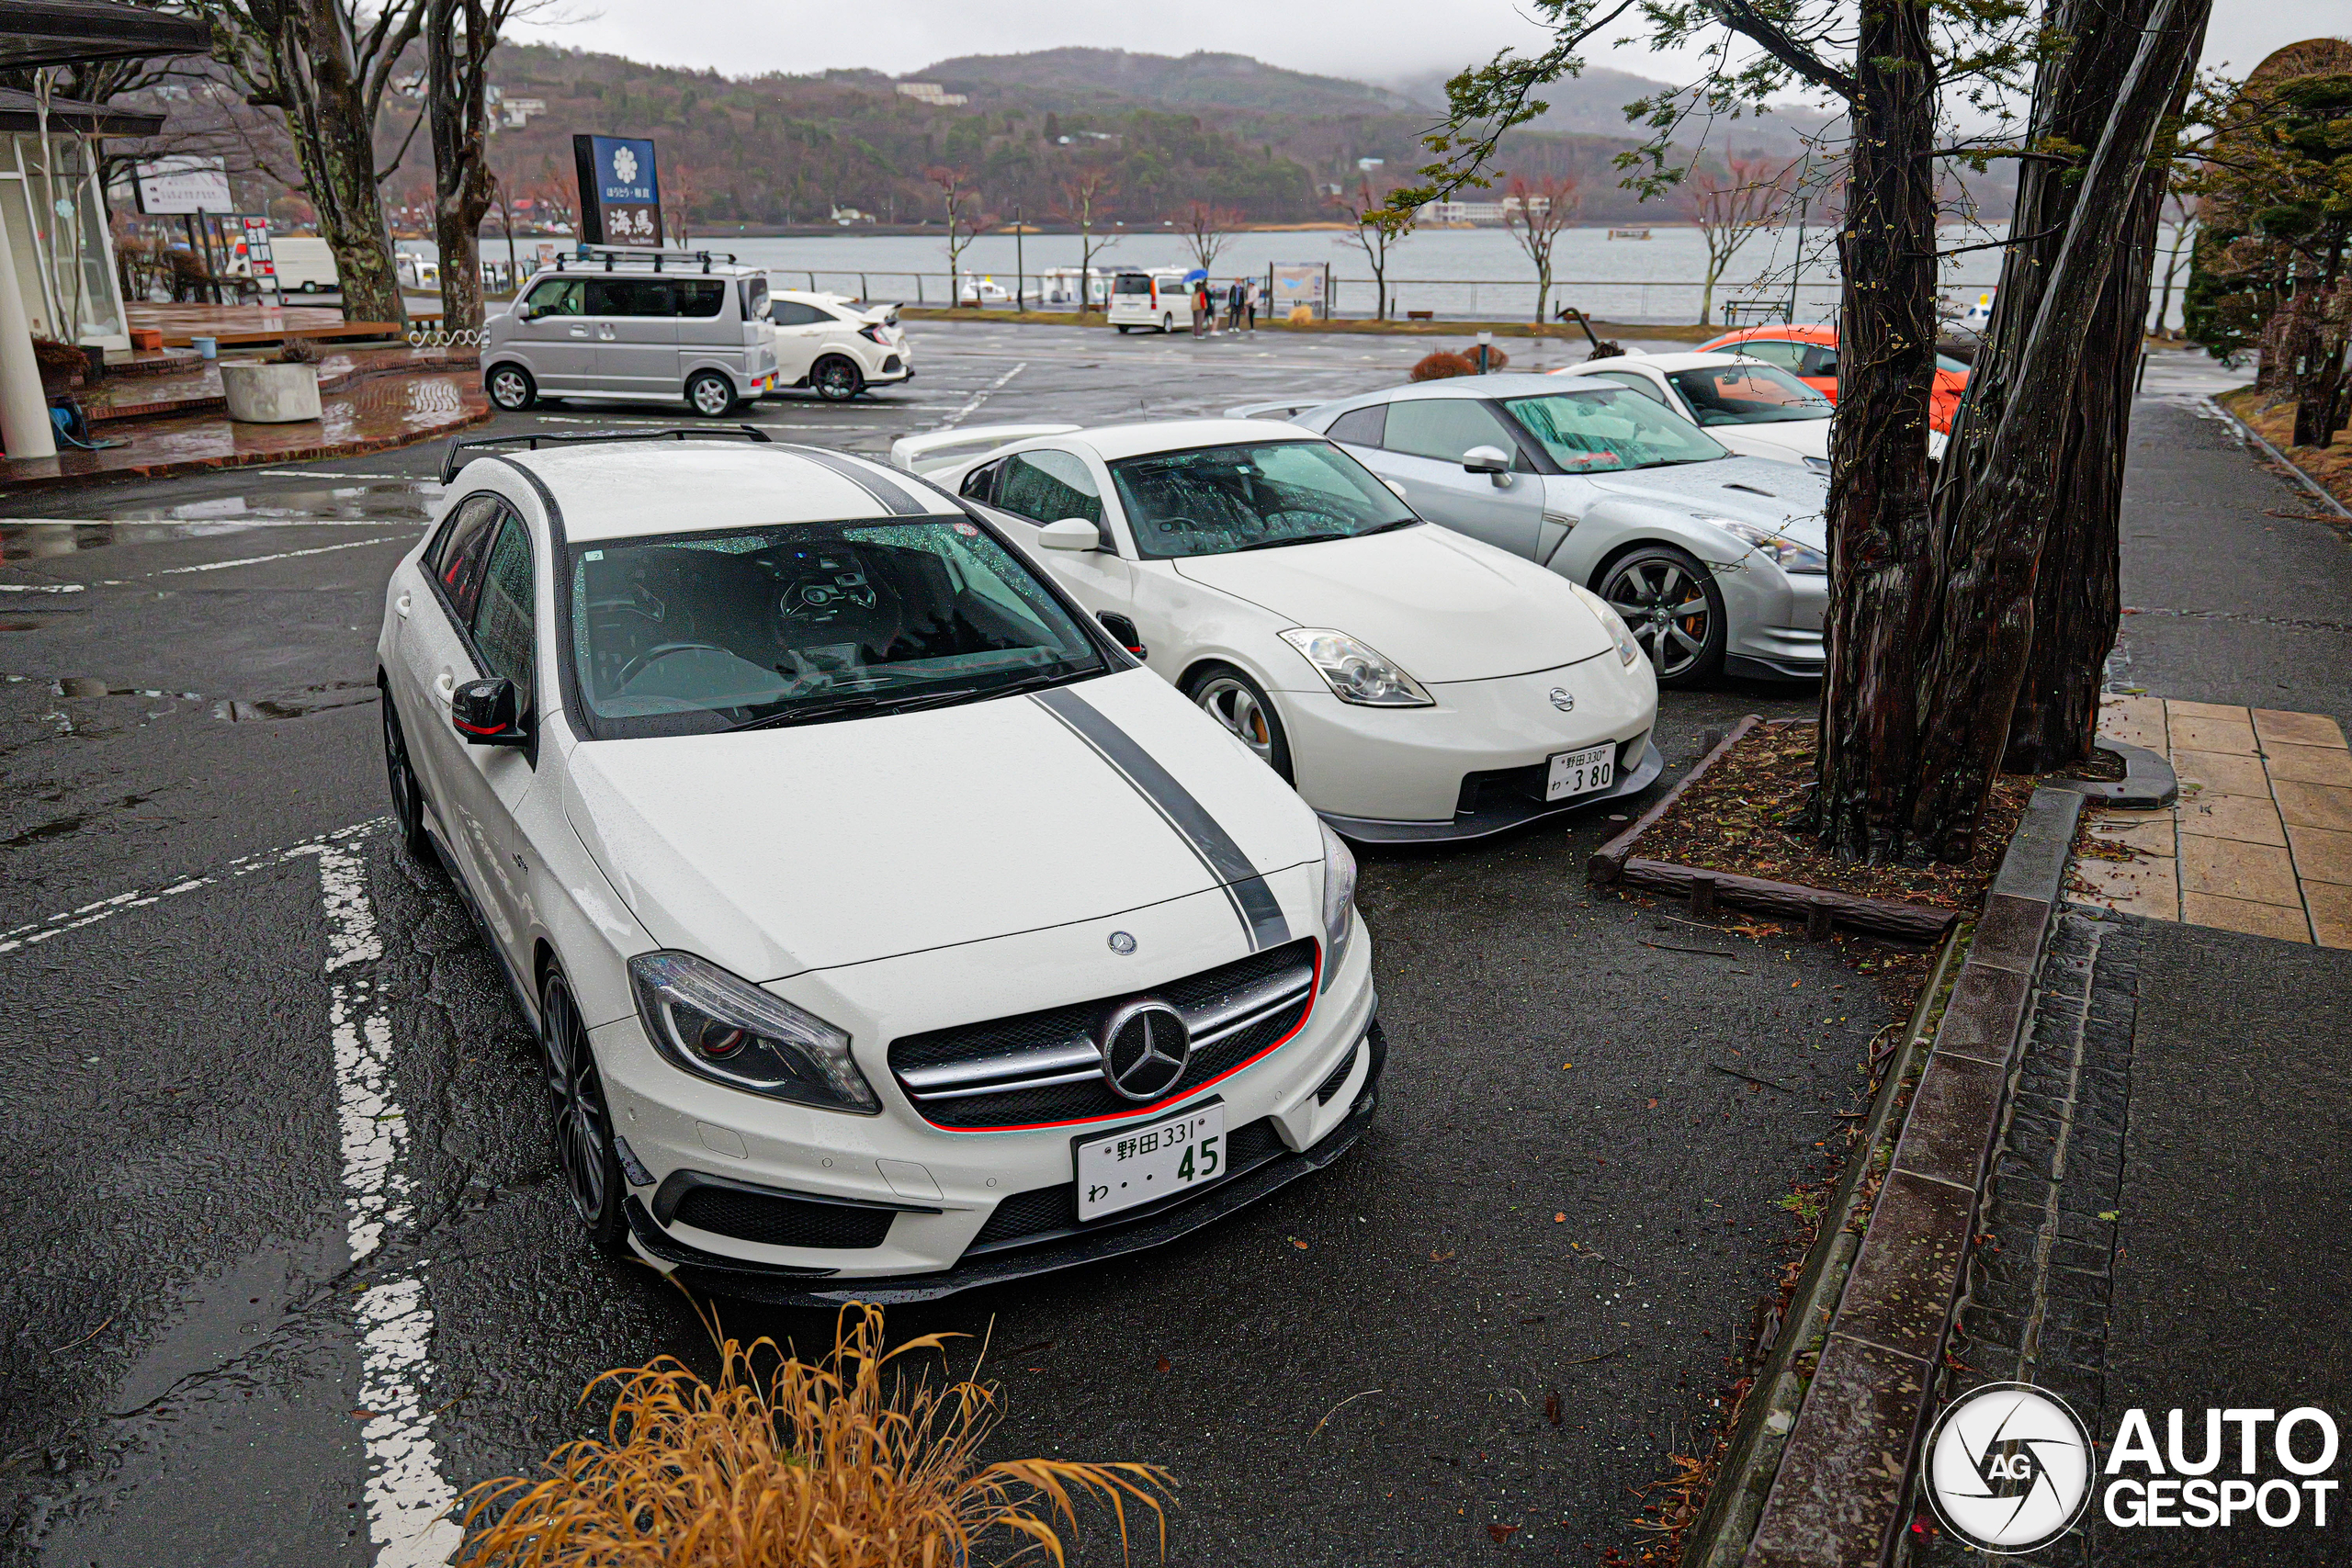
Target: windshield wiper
908 702
813 711
1289 539
1385 527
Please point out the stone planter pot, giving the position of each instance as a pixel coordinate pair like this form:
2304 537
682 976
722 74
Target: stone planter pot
270 394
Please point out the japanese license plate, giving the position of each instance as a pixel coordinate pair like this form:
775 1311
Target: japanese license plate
1144 1164
1580 773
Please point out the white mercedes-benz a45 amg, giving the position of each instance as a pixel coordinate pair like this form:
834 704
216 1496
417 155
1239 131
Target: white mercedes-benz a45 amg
887 928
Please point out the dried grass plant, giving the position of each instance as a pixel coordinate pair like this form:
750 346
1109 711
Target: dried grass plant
855 1462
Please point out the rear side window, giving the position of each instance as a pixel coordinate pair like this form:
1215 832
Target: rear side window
1771 350
1048 486
1444 428
794 313
755 299
642 297
979 483
701 296
1819 360
1360 427
503 619
457 556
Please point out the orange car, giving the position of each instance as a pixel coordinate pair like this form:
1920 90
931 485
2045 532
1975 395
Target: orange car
1812 354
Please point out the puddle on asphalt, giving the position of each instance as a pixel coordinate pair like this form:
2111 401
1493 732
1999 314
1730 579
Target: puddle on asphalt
235 710
394 499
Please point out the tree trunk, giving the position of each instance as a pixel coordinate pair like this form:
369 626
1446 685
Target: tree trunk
1984 632
458 39
2077 595
325 107
1878 581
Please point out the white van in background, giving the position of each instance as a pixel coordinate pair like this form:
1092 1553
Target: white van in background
305 264
1158 299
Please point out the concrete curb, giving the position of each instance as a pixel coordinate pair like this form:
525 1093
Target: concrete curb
1836 1500
2318 490
2148 783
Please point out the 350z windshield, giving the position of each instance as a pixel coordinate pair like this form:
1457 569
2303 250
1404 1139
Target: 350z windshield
686 634
1215 499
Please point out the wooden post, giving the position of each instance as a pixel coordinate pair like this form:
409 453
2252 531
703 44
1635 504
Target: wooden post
1702 893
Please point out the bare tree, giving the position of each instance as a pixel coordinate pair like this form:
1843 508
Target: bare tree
324 65
2185 214
1084 191
1727 209
460 35
1207 230
681 188
964 223
1379 227
1534 213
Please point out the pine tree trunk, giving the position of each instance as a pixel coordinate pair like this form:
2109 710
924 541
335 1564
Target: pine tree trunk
1983 633
327 111
1879 573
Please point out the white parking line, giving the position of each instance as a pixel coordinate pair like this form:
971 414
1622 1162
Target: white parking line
36 931
283 554
409 1500
953 419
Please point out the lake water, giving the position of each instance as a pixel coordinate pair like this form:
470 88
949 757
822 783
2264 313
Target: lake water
1471 274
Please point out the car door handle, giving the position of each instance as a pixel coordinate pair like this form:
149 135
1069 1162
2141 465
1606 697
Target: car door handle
579 332
401 604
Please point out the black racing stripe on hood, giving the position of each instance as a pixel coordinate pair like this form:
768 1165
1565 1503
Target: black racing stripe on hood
900 501
1253 902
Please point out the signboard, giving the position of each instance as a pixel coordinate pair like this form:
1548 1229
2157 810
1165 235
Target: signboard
184 185
257 257
620 194
1297 284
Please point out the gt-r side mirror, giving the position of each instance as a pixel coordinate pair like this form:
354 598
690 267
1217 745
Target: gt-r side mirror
1486 460
485 712
1070 534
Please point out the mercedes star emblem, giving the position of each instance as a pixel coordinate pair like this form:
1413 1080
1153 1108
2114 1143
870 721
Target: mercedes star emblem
1122 943
1564 699
1146 1047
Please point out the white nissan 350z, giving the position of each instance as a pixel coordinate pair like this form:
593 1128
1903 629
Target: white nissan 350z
888 928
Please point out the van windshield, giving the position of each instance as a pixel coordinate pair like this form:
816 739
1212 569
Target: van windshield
686 634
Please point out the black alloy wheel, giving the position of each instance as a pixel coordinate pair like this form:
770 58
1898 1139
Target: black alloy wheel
408 795
511 387
585 1157
837 379
1674 610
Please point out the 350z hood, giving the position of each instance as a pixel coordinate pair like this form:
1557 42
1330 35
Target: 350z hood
780 851
1445 607
1773 494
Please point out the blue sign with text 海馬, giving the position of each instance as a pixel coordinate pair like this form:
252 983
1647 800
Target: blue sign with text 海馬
620 190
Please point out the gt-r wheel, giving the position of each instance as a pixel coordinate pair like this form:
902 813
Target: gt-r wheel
837 379
408 795
585 1157
1236 702
711 394
511 387
1674 609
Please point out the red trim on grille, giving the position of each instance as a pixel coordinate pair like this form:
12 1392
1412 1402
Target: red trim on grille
1315 990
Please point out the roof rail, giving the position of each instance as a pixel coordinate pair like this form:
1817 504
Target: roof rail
455 458
609 254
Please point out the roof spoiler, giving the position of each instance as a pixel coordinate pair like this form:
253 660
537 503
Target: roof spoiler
922 454
456 457
1274 411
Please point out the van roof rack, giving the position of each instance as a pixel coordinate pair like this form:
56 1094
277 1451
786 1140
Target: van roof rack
609 254
454 458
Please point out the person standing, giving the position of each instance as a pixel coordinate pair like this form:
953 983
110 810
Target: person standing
1249 304
1233 294
1203 318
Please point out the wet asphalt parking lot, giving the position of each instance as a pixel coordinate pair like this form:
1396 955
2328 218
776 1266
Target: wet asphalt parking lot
234 1003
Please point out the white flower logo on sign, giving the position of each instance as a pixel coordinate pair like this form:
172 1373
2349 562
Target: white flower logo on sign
625 165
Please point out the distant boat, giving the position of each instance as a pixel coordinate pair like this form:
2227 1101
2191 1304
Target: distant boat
1629 233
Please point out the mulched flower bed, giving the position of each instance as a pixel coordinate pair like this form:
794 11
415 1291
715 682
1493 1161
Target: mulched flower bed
1742 817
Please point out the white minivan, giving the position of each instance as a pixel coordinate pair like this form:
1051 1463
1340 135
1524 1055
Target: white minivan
637 327
1160 299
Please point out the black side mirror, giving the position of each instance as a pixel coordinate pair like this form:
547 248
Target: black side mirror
1125 631
485 712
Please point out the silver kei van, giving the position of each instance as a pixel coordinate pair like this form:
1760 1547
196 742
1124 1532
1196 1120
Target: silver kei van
638 326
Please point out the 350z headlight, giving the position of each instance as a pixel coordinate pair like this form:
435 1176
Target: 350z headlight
718 1027
1355 672
1338 900
1786 553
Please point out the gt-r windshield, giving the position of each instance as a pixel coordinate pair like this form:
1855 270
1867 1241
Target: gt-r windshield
685 634
1213 501
1610 427
1751 393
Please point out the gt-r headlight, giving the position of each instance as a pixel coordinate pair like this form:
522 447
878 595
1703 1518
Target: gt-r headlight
727 1029
1355 672
1786 553
1338 900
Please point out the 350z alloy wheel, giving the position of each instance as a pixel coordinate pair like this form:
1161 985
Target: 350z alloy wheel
1234 701
585 1157
1674 610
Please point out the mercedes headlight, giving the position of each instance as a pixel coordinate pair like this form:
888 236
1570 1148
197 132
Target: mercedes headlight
1786 553
1338 900
718 1027
1355 672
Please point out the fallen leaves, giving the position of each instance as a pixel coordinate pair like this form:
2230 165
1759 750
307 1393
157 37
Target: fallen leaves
1552 1408
1161 1365
1560 1219
1296 1242
1502 1533
1445 1256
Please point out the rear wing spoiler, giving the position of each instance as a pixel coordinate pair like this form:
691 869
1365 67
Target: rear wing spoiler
1274 411
942 448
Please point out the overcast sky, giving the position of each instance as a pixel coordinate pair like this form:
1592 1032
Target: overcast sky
1370 39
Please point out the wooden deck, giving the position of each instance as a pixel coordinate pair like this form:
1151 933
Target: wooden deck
180 324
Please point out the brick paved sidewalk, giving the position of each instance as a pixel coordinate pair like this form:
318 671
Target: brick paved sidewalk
2261 842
